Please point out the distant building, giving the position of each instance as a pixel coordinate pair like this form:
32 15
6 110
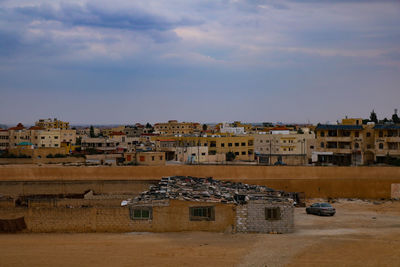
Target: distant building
52 124
151 158
283 145
4 139
174 127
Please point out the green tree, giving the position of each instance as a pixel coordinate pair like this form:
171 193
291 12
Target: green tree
373 117
205 127
91 133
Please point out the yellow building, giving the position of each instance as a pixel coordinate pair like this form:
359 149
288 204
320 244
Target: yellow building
340 144
174 127
241 146
387 142
52 124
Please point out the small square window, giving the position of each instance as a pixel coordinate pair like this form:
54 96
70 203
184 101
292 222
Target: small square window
273 213
202 213
140 213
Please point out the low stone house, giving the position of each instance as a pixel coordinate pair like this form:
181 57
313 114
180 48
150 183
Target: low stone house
181 203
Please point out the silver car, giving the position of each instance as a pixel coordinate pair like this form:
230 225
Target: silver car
321 209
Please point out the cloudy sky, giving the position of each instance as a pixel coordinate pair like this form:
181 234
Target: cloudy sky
127 61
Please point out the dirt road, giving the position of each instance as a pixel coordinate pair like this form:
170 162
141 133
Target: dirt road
360 234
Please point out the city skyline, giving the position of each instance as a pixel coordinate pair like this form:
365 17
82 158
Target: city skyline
93 62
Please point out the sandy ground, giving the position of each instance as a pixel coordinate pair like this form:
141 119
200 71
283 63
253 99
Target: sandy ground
360 234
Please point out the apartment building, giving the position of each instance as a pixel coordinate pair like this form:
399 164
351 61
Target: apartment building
341 144
45 137
174 127
282 144
99 143
52 124
18 134
387 142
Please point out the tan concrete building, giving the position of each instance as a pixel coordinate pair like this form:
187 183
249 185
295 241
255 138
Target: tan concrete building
4 139
46 138
151 158
52 124
18 134
174 127
289 146
192 155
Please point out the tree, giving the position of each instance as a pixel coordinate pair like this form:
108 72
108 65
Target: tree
230 156
91 133
148 125
205 127
395 118
373 117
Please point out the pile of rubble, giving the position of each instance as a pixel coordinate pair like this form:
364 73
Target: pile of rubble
206 190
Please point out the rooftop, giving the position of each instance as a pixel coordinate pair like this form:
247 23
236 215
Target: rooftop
387 127
207 190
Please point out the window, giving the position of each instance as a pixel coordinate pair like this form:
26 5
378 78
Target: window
272 213
237 153
380 133
42 137
357 134
368 134
322 144
160 157
140 213
322 134
229 144
201 214
236 144
141 158
152 158
356 145
380 145
222 144
203 154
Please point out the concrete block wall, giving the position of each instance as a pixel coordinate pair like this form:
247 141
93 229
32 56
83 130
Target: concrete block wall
241 218
256 221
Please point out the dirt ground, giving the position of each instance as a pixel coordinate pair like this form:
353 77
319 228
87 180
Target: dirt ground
360 234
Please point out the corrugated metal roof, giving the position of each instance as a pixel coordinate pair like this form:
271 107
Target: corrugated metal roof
338 127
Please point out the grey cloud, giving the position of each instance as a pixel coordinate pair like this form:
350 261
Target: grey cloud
93 16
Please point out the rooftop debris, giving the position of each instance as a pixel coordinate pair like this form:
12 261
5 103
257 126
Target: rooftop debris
207 190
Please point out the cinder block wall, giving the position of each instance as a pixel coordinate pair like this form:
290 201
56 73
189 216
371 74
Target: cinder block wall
256 222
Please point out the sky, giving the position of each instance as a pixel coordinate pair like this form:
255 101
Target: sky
126 61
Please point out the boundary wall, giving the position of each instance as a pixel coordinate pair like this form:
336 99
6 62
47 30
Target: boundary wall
316 182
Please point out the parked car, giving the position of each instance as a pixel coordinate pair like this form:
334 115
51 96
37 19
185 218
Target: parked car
321 209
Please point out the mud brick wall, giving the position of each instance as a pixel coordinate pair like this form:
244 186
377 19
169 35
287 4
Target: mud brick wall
256 222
